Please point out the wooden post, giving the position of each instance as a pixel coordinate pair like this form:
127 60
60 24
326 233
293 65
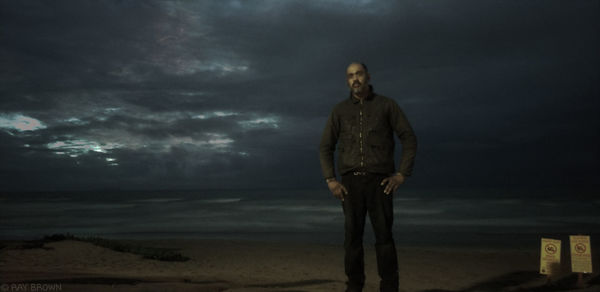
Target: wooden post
580 284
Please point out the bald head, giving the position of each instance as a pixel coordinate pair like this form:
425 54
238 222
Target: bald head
364 66
358 78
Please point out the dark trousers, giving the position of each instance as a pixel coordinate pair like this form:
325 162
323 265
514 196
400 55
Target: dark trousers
365 194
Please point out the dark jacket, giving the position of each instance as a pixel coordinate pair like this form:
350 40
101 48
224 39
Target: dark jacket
363 132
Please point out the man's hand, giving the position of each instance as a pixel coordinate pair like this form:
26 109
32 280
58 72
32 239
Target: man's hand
337 189
392 183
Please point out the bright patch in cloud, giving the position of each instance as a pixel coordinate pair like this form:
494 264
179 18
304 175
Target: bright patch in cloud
186 67
111 110
75 121
218 140
213 141
20 123
266 122
224 114
219 114
81 146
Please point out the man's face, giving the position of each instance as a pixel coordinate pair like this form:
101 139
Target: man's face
358 79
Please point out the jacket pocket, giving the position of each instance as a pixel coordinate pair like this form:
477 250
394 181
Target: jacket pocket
346 151
376 139
379 149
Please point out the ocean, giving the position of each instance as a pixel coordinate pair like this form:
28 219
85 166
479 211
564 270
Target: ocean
423 217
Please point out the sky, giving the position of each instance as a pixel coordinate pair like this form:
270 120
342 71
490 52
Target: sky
235 94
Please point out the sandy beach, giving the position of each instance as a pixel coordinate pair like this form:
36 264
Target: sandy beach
220 265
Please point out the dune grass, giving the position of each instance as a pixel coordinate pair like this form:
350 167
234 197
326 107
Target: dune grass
154 253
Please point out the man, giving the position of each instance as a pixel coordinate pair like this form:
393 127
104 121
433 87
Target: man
362 127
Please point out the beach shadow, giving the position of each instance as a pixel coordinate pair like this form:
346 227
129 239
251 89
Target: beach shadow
595 280
512 281
291 284
113 281
136 281
498 283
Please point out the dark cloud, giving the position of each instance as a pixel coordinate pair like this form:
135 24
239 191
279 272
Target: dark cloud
180 94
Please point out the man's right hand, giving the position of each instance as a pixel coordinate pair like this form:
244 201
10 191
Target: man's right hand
337 189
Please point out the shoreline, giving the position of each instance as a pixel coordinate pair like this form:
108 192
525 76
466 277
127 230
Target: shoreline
453 239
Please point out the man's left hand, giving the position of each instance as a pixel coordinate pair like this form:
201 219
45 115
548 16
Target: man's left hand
392 183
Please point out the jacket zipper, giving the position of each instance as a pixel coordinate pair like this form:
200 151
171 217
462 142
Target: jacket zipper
360 135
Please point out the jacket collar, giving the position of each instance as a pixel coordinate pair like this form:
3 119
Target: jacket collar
369 97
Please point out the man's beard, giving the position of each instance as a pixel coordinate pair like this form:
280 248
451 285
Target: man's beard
358 90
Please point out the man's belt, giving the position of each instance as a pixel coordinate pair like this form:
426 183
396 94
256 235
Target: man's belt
362 173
